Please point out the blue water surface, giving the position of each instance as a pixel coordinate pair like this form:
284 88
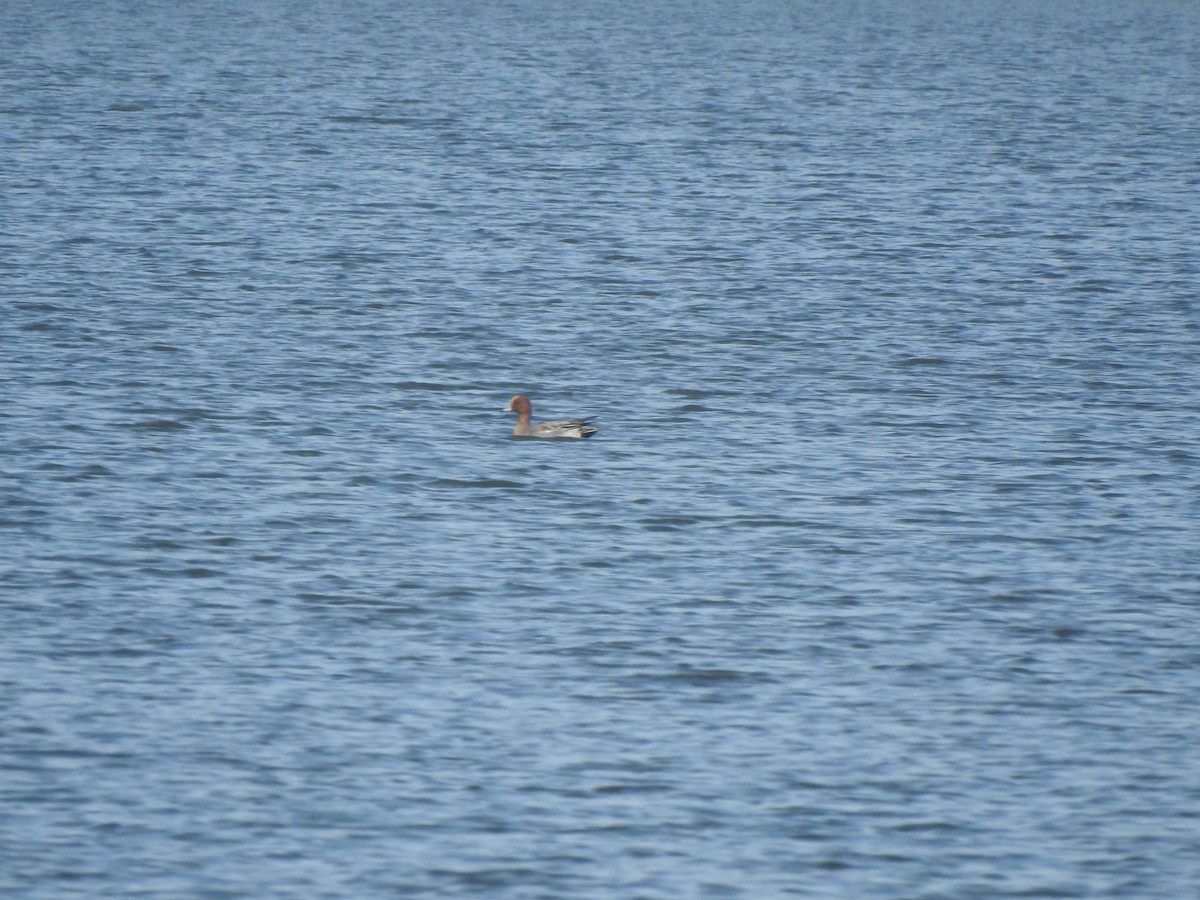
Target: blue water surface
882 578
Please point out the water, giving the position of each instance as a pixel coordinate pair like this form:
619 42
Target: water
881 579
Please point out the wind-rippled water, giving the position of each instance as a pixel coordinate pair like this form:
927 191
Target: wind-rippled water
881 579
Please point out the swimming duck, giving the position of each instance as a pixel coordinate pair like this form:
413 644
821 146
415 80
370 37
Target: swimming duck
568 428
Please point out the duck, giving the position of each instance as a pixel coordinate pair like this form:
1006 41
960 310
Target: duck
566 428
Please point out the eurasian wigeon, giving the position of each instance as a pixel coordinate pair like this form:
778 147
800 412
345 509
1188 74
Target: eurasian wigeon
567 428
